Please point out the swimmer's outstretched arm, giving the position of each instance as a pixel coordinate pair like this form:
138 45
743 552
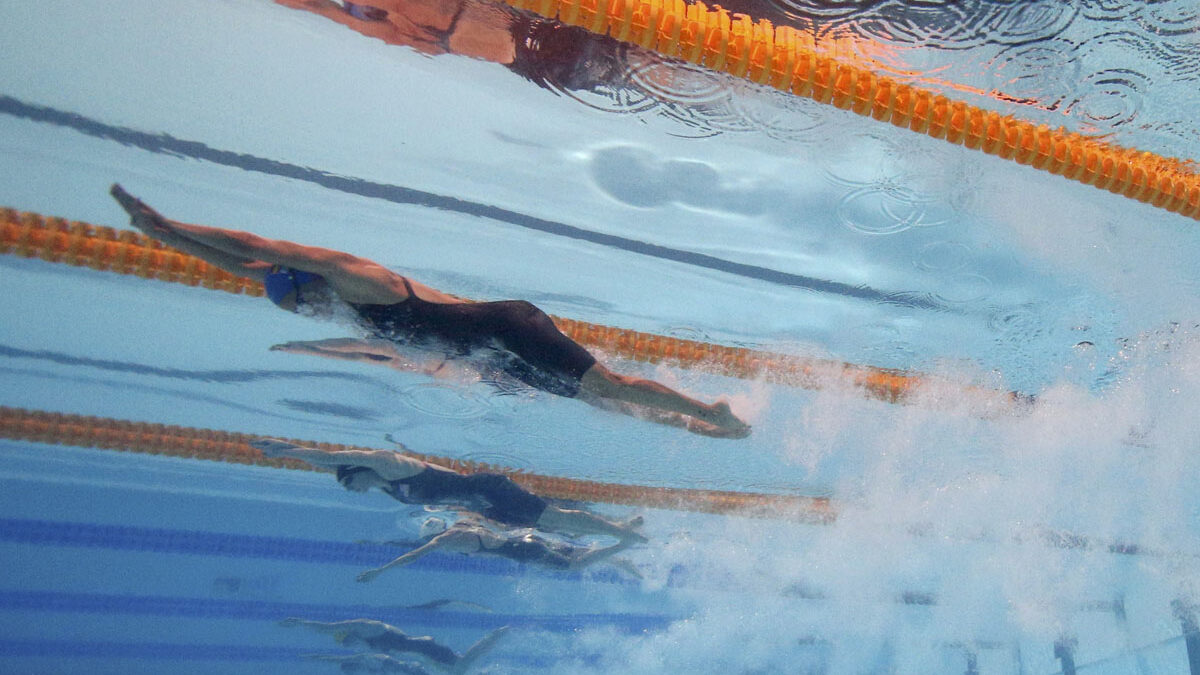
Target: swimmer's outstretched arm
449 541
153 225
363 628
351 349
379 351
388 464
354 279
235 243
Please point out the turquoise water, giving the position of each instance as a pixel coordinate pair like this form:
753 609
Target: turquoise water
682 204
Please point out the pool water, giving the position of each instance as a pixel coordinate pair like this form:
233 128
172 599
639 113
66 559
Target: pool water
1062 537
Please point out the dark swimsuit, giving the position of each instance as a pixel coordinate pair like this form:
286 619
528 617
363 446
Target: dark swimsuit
489 494
396 641
521 337
533 549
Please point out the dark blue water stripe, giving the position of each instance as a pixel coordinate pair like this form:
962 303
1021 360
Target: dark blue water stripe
220 376
163 540
291 549
177 396
257 610
169 145
151 650
209 652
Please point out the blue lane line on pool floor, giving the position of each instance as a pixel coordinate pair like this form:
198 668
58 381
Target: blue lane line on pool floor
210 652
195 542
259 610
292 549
154 650
164 144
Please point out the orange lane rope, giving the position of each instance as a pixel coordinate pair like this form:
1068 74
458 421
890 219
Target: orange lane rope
225 446
795 62
128 252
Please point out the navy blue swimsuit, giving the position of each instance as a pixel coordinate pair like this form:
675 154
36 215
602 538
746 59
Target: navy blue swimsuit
534 549
396 641
490 494
522 338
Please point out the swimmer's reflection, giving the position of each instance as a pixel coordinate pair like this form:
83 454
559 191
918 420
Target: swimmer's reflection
517 337
542 51
498 515
381 638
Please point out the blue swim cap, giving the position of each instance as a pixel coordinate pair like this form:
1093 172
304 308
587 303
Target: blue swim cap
364 12
283 280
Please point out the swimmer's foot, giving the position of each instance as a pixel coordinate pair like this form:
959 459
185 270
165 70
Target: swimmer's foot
141 216
713 431
626 566
476 650
631 533
719 422
633 537
722 416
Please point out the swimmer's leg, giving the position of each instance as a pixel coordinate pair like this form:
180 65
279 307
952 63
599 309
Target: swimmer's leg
600 381
478 649
595 555
581 522
627 566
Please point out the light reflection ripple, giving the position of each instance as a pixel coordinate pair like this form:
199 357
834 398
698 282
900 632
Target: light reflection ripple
1170 19
945 25
445 401
1108 99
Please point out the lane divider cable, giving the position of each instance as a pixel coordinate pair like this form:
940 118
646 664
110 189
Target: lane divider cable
796 62
98 247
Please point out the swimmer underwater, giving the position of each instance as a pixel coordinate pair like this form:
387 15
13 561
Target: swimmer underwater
412 481
520 339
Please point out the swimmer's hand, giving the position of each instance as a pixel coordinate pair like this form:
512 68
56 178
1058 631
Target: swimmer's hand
272 447
298 347
141 216
369 575
289 622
